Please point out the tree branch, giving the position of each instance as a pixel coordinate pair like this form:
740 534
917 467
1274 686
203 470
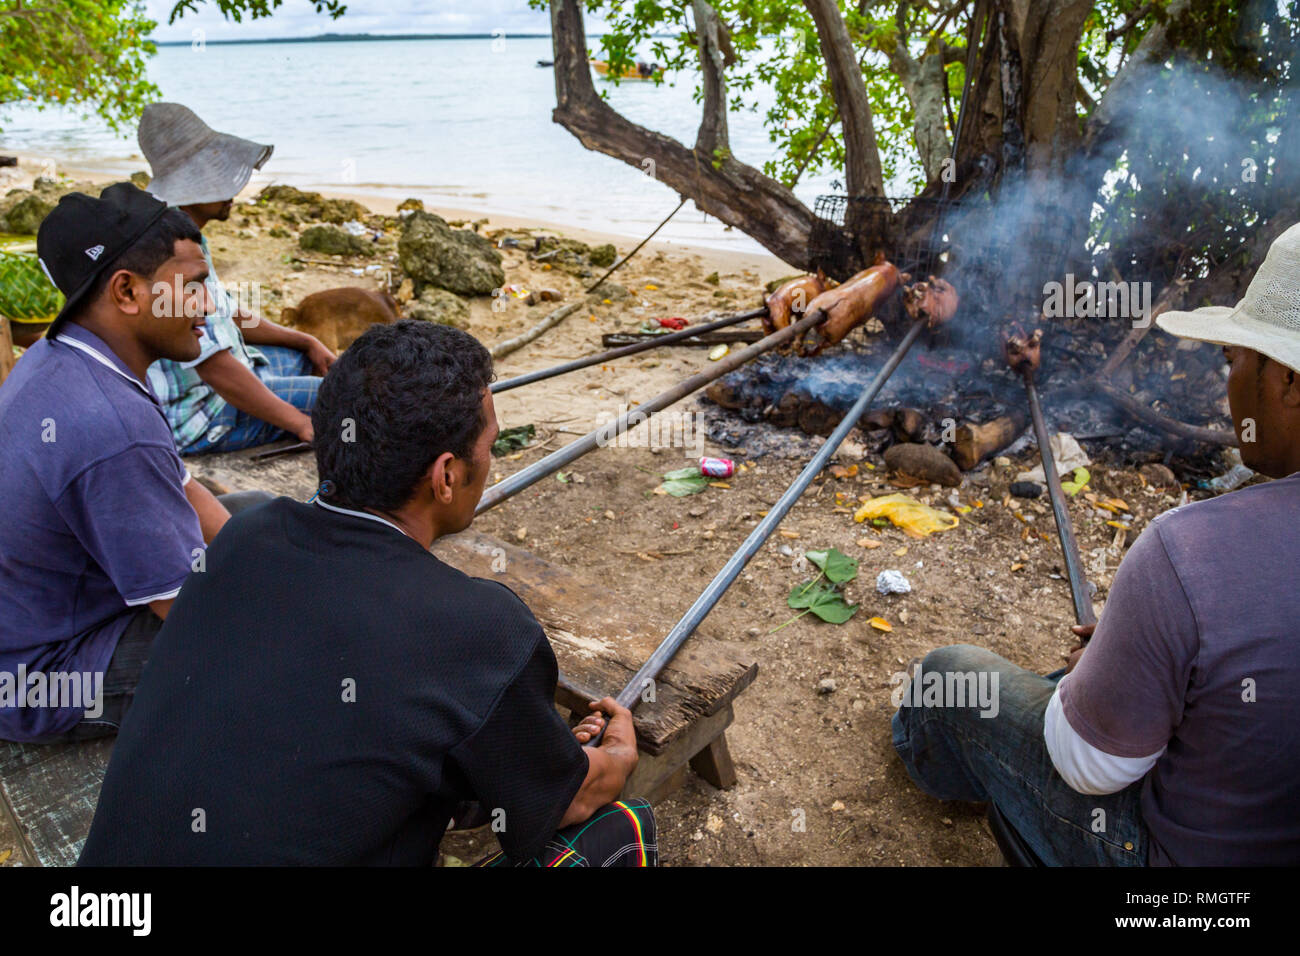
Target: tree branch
863 173
733 192
712 137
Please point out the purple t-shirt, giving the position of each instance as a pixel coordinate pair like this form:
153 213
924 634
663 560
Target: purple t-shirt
95 520
1198 649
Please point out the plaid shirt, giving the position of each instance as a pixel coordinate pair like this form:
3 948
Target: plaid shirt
189 402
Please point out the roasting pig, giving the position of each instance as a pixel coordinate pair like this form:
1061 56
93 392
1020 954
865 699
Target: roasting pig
934 300
791 299
849 305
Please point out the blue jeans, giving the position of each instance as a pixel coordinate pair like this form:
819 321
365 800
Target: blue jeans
952 752
287 374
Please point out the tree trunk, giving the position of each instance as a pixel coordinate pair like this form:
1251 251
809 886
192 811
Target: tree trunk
734 192
863 174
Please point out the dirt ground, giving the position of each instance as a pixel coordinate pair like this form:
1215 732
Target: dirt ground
801 753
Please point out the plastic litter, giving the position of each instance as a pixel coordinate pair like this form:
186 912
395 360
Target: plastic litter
914 518
893 582
1234 477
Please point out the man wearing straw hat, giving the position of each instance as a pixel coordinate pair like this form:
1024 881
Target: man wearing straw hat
253 381
1175 737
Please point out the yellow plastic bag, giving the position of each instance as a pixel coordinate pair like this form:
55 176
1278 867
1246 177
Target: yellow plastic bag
914 518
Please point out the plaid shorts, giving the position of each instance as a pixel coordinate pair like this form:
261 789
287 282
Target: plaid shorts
621 833
288 375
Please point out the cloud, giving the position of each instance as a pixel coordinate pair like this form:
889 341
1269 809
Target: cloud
298 18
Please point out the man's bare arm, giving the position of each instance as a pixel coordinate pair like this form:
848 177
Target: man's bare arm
259 331
609 765
212 513
241 388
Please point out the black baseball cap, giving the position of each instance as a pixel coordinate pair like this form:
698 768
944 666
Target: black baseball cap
82 236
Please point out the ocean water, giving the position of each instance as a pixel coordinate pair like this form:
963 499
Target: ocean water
458 123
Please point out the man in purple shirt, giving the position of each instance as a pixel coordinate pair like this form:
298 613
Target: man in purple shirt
1174 738
102 522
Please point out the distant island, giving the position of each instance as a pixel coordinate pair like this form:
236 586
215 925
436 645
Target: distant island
354 37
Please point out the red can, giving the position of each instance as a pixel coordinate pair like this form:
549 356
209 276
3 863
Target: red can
717 467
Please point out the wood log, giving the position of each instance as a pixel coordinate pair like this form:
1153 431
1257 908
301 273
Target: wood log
502 349
975 442
1149 416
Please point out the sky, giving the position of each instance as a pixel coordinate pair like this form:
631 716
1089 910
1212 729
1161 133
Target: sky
298 18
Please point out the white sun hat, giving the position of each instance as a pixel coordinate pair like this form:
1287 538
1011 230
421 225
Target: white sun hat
192 163
1266 320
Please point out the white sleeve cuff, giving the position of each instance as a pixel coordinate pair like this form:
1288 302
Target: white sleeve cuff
153 597
1080 764
187 479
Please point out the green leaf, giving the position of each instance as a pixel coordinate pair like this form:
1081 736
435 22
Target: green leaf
681 487
837 567
691 471
823 599
684 481
512 439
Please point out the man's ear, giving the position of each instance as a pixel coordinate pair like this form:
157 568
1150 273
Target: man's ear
124 290
1290 386
442 478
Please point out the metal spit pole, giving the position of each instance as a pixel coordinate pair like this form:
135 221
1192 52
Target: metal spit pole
659 340
1079 589
710 596
630 419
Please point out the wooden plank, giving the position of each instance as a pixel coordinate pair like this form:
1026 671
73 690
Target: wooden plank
52 790
600 641
713 763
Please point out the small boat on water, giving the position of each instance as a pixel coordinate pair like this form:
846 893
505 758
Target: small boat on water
641 71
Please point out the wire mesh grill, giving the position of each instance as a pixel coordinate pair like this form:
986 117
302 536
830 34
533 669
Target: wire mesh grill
1002 249
848 232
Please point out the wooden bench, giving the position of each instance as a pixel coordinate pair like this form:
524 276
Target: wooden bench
48 793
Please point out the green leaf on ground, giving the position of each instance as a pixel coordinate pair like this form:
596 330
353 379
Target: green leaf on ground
823 599
512 439
684 481
837 567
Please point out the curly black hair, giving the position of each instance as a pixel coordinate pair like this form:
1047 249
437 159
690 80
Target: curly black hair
400 396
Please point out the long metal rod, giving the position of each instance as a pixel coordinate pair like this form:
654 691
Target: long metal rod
710 596
630 419
660 340
1079 590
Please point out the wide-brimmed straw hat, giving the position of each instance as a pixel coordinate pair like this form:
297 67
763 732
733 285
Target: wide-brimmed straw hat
1267 319
192 163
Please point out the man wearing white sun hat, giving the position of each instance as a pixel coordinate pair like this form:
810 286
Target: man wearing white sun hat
254 381
1175 737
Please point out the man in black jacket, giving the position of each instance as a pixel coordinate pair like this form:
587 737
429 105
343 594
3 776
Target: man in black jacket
326 691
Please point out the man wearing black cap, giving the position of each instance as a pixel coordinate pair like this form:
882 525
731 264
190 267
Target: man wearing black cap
102 520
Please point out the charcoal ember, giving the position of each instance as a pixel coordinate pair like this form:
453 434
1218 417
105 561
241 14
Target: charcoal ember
816 418
1026 489
909 425
922 461
785 413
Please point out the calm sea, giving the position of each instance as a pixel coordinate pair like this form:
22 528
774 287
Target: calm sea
460 123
